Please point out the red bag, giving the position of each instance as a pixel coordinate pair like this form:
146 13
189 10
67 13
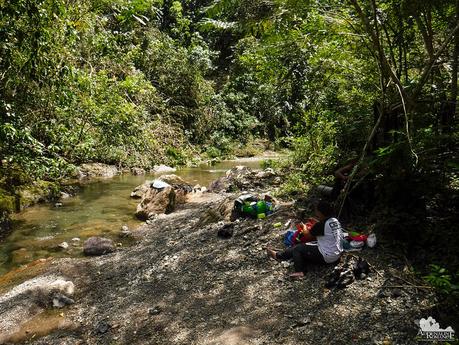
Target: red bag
300 237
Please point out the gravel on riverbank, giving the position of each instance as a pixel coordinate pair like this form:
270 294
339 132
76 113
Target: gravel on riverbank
181 284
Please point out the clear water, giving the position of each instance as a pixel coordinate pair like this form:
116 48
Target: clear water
100 208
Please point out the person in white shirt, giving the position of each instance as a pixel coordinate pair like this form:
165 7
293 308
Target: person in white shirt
328 248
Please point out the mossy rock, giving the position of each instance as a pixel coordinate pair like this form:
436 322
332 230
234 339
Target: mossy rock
6 202
13 176
39 191
6 207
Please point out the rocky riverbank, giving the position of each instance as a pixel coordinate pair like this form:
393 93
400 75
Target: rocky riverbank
182 284
24 193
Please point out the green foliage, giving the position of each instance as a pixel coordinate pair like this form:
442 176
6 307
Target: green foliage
440 278
6 202
99 82
251 148
176 155
293 185
213 152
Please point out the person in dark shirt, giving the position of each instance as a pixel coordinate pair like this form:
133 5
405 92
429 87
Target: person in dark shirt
328 249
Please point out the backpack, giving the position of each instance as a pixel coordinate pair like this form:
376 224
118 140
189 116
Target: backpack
248 205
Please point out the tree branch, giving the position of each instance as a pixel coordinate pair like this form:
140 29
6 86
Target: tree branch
428 68
385 68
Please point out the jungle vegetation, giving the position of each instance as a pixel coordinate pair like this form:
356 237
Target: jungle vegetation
141 82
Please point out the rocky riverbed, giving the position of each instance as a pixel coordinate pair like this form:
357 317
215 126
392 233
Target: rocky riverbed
182 284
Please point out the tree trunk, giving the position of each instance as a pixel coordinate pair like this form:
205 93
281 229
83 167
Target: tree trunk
428 44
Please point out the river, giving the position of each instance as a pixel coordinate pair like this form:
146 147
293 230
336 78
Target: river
100 208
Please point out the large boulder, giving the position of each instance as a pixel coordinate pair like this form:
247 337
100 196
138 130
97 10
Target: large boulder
180 186
94 246
140 190
244 178
156 201
161 195
221 211
235 178
89 170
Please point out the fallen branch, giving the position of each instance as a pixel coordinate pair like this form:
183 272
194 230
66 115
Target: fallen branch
402 279
405 286
373 268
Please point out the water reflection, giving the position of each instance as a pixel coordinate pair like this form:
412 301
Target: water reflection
101 207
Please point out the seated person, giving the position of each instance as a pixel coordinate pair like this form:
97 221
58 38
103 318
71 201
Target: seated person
329 246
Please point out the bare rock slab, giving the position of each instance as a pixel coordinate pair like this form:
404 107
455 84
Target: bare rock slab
90 170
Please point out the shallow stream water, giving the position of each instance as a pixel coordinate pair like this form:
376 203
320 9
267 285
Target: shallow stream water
100 208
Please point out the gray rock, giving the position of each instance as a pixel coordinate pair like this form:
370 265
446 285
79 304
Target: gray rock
65 195
60 301
94 246
102 327
63 245
303 322
162 169
76 241
140 190
125 232
97 170
22 302
265 173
